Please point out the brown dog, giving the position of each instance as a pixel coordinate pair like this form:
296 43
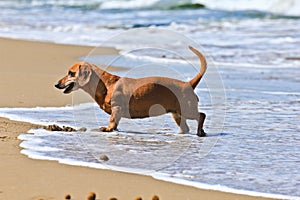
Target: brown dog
138 98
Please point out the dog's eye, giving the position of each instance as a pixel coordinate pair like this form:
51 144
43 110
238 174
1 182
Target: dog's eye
72 74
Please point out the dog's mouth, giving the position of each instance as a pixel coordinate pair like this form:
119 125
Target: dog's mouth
69 88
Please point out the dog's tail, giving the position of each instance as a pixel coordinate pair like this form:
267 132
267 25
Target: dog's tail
194 82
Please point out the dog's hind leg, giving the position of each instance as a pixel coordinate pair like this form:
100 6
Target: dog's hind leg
181 122
114 120
201 118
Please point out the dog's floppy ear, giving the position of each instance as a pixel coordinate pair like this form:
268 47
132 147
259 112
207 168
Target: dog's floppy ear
84 76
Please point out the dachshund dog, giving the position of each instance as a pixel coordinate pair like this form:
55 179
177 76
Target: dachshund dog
138 98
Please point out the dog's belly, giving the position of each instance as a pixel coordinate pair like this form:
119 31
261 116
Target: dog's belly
152 100
149 109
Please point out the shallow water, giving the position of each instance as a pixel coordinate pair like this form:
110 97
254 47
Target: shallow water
257 149
250 92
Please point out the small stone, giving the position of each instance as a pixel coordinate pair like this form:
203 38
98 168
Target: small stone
138 198
67 197
68 129
55 127
3 137
155 197
83 129
104 157
113 198
91 196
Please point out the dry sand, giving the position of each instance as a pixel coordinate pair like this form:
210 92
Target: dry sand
28 71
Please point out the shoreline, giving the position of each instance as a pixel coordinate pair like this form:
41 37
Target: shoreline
34 179
29 71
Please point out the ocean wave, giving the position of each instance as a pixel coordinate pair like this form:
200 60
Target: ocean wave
278 7
103 4
281 7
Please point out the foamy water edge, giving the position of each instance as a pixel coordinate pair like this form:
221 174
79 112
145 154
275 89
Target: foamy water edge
152 173
155 175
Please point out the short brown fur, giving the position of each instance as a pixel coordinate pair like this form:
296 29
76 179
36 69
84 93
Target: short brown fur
138 98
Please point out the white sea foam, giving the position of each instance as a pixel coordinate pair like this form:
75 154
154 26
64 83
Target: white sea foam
284 7
157 175
138 4
31 150
222 188
14 113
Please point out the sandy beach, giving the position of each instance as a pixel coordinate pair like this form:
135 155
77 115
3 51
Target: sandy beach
28 72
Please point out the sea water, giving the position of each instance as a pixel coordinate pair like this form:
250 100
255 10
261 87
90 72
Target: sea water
250 92
255 152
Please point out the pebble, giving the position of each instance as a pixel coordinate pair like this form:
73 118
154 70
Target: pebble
91 196
103 157
55 127
83 129
67 197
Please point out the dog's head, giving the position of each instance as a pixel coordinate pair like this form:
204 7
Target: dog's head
78 76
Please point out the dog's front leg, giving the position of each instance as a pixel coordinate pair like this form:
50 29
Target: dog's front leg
115 117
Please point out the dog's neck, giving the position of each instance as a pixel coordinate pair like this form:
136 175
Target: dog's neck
98 86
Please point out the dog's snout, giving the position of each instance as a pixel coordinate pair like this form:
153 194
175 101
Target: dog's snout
57 85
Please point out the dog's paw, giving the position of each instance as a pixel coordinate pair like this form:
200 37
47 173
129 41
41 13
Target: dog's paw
106 129
103 129
201 133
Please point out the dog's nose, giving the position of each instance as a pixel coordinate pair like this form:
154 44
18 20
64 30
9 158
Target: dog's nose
57 85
